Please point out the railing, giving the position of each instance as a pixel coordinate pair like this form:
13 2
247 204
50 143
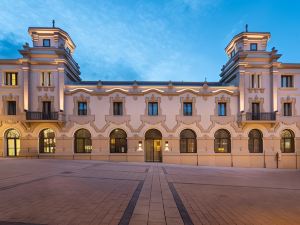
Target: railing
41 116
265 116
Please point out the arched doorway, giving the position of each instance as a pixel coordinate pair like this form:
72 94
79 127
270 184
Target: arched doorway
153 146
12 143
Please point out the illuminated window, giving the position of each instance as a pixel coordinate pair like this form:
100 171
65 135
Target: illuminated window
82 141
188 141
118 141
47 141
11 79
287 142
222 141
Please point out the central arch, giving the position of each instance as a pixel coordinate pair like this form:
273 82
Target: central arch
153 141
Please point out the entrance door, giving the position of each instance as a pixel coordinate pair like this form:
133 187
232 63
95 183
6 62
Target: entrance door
46 110
255 111
153 146
12 143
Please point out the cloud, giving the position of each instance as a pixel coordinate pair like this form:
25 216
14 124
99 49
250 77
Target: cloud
137 40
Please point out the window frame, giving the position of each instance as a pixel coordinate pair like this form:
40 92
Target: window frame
82 111
46 79
283 141
120 141
287 81
220 110
255 136
287 109
45 142
186 141
152 111
45 41
11 79
219 138
14 109
118 108
253 49
86 139
187 109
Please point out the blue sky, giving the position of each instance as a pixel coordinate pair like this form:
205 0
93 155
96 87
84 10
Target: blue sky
152 39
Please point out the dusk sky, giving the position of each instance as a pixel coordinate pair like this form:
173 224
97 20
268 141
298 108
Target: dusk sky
152 40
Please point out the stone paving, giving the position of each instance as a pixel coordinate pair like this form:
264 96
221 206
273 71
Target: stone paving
66 192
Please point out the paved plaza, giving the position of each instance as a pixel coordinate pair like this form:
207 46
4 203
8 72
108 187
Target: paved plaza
66 192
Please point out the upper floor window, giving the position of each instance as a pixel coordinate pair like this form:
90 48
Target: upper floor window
11 108
46 42
255 81
11 79
82 108
232 53
118 108
253 47
222 108
287 109
152 108
287 81
187 109
46 79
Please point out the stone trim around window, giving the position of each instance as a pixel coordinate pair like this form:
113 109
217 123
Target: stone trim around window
194 118
117 119
6 99
288 99
256 100
81 98
44 98
153 119
222 99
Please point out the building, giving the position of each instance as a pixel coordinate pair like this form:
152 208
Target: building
250 118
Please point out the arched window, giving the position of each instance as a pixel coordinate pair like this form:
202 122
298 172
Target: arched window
12 142
118 141
287 142
255 141
82 141
222 141
188 142
47 141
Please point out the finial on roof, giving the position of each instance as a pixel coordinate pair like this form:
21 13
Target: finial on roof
53 23
205 80
246 27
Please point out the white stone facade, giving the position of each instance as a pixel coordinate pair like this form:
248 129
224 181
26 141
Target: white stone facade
44 104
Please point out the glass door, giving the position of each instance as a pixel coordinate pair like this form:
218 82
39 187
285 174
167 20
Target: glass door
255 111
46 110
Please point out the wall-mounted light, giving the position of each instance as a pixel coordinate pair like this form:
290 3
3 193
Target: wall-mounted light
167 146
140 149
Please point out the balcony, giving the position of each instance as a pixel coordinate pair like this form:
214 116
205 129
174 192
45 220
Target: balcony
47 117
265 117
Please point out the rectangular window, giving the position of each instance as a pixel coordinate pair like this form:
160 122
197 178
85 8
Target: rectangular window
11 79
152 108
287 109
222 109
252 81
253 47
46 79
82 108
46 42
187 109
287 81
11 108
258 81
118 108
